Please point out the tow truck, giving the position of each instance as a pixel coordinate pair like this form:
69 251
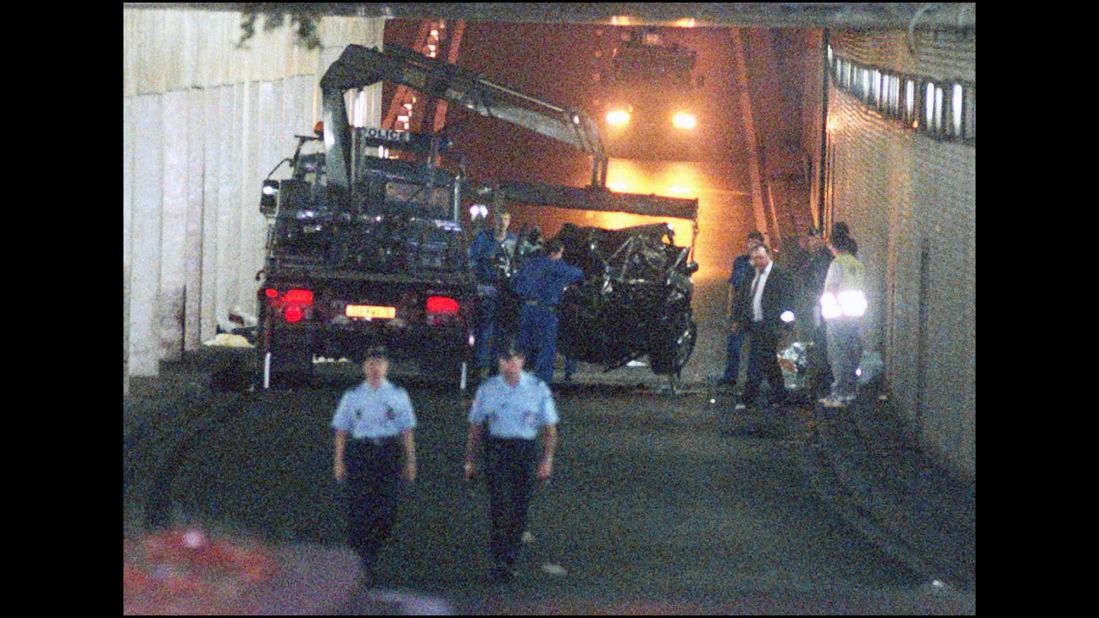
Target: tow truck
648 98
363 249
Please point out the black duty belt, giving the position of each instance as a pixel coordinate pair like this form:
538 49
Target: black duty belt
376 441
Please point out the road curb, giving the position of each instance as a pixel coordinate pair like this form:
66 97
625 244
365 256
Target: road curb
897 498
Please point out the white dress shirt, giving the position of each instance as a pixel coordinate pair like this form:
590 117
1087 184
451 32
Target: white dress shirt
757 300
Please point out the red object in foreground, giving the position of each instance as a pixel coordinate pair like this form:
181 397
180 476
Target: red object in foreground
184 571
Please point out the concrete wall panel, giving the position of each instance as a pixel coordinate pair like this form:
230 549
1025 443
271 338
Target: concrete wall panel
173 223
192 250
145 272
251 221
211 180
127 237
228 217
193 237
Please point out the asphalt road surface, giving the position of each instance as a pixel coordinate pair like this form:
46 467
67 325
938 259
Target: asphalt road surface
659 503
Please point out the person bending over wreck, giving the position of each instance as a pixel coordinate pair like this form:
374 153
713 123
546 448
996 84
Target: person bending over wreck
539 283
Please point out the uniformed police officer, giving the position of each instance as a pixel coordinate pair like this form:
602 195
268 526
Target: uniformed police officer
539 283
514 405
374 424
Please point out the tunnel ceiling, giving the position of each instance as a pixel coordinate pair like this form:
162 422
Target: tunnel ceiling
766 15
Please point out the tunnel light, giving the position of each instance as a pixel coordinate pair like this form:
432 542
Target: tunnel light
618 117
684 120
686 22
787 316
478 210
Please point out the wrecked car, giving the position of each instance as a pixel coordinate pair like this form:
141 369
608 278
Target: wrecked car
634 300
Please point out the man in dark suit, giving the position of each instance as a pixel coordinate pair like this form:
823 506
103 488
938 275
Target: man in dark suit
765 308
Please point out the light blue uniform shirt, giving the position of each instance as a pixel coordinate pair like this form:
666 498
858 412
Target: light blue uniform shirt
513 412
368 413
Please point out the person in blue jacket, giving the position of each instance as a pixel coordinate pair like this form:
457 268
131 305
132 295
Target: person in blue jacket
742 267
490 252
539 284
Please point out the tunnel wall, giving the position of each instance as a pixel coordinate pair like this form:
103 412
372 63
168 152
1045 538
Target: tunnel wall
204 121
910 199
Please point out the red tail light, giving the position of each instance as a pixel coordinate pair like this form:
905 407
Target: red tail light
293 313
299 297
444 305
295 305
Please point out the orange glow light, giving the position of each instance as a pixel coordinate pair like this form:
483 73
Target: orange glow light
629 176
618 117
684 120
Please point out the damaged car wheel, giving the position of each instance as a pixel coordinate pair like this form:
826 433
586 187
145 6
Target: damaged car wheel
674 345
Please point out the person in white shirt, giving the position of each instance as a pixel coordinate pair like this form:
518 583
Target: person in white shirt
765 309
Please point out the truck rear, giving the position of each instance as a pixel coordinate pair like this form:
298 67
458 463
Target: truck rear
380 262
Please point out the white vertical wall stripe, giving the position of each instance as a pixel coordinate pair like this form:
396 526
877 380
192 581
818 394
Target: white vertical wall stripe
145 273
173 224
127 237
250 218
225 266
192 251
210 183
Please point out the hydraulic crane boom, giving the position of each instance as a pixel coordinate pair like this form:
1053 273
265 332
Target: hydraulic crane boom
360 66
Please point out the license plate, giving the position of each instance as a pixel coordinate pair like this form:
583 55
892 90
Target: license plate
371 312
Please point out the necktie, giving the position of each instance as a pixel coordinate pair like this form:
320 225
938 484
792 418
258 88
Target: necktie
752 297
755 284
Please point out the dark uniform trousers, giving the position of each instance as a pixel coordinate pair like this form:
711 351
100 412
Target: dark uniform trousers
373 483
537 338
763 352
510 466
